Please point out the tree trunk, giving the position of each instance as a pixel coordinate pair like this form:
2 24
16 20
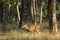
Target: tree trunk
5 13
22 12
17 7
41 15
52 16
40 11
1 12
34 10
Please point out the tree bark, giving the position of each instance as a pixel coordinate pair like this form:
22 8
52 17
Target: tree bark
22 12
18 13
1 12
5 13
41 12
52 16
34 10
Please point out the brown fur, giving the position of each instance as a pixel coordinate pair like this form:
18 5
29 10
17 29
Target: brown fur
32 28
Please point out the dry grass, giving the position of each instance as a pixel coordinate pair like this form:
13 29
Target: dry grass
23 35
15 35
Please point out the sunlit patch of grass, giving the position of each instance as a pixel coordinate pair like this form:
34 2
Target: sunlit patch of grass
16 35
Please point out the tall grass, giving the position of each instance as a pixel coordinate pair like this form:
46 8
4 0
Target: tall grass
14 34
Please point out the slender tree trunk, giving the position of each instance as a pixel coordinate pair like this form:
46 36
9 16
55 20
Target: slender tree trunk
40 11
41 15
34 10
6 11
52 16
17 6
22 12
9 6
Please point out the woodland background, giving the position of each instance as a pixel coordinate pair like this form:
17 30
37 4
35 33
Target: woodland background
16 13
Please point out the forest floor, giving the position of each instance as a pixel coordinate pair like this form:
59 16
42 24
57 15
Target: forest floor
23 35
15 35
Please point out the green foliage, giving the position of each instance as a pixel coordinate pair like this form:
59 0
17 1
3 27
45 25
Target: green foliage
43 3
58 7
